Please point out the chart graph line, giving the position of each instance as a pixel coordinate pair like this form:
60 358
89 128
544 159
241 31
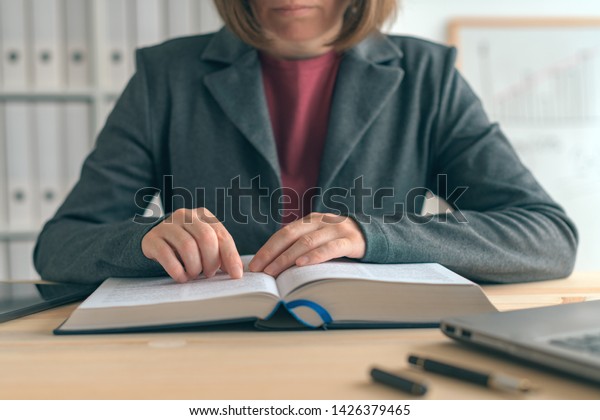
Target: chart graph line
561 92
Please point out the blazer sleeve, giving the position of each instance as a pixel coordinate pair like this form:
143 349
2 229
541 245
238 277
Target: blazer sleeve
505 227
95 234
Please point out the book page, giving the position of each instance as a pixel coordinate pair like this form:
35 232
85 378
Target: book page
431 273
149 291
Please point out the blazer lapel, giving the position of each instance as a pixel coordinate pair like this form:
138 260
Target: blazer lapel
364 83
362 88
238 89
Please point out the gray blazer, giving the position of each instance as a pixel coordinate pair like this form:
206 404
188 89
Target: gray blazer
193 124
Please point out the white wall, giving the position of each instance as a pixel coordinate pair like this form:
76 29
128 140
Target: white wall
429 18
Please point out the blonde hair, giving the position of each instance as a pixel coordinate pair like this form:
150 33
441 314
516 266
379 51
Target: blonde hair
362 18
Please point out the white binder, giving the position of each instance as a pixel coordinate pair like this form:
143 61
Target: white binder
2 54
4 275
180 18
106 108
78 42
150 23
48 134
77 118
22 210
15 59
20 254
118 53
48 51
209 18
3 173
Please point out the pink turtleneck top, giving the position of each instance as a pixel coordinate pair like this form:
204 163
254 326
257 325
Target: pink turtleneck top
299 95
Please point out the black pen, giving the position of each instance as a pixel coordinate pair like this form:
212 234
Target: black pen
398 382
490 380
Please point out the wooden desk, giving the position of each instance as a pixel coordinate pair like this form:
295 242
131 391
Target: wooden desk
34 364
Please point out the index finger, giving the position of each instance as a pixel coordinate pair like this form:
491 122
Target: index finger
230 257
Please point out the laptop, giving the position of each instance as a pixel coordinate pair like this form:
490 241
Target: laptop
18 299
563 337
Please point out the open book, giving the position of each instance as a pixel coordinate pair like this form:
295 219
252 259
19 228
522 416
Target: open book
340 294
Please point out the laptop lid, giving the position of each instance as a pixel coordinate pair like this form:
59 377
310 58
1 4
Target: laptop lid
19 299
563 337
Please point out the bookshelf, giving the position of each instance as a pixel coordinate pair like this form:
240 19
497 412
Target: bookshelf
92 43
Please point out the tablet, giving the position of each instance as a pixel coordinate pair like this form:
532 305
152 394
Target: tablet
18 299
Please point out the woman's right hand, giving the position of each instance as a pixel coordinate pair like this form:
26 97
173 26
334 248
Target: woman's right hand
190 242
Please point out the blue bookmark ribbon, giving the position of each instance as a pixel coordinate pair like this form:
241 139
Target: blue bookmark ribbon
322 312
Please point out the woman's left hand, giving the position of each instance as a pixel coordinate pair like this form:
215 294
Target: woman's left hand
314 239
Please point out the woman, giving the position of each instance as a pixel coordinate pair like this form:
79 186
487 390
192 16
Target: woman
301 108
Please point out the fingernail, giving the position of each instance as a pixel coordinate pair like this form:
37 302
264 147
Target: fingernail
302 260
238 272
253 266
270 270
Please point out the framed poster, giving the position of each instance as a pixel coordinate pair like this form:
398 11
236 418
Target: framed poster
540 79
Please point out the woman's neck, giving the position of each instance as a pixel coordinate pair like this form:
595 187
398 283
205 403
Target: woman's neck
296 51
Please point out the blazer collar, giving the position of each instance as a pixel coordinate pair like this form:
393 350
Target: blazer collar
238 89
368 76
